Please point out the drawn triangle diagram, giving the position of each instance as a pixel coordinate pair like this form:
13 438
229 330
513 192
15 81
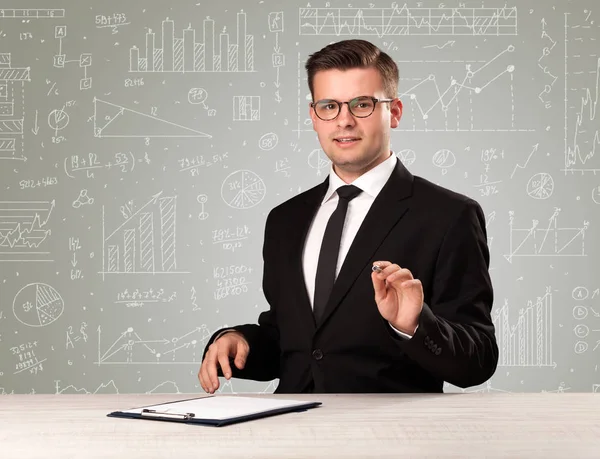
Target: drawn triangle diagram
111 120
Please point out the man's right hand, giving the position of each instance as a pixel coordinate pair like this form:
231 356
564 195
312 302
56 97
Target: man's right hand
231 344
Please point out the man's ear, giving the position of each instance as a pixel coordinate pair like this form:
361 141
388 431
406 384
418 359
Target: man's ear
395 112
312 115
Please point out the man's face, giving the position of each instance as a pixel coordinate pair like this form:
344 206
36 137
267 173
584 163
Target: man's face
372 134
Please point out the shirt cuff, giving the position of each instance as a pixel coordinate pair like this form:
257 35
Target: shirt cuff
405 335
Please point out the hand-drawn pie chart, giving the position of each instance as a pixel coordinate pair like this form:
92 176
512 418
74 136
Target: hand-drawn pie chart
243 189
38 305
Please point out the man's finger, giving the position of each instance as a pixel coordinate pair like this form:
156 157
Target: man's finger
224 362
241 355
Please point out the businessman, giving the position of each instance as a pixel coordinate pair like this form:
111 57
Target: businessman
377 280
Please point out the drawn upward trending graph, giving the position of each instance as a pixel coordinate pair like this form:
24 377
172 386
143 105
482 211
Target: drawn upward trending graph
183 54
458 95
408 21
582 78
134 247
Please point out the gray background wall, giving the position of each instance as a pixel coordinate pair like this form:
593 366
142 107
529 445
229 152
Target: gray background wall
134 184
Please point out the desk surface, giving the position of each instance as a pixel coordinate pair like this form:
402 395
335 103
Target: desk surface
478 425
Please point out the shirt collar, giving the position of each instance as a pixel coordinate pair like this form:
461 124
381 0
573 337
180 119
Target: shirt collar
371 182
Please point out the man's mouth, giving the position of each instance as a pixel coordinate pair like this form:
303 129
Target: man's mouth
346 140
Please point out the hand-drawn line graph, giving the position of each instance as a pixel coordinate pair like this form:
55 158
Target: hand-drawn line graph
582 138
133 247
186 55
458 103
23 229
550 241
130 348
528 343
243 189
12 108
31 13
37 305
112 120
408 21
104 388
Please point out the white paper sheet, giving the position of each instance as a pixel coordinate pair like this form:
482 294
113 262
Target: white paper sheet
221 407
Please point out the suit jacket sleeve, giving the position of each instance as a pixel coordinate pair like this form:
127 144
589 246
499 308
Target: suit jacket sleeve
455 339
262 363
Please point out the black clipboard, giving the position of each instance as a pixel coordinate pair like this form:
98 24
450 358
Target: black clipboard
187 417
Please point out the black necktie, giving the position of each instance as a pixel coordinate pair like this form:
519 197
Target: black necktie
330 248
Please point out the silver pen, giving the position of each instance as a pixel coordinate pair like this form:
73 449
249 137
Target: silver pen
377 268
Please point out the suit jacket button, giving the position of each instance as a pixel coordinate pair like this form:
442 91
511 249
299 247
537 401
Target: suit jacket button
317 354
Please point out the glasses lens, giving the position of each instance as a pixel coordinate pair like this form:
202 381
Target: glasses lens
326 109
362 106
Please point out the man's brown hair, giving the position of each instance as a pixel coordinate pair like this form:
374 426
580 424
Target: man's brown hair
349 54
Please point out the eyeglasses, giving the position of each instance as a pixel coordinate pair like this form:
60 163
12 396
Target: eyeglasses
360 107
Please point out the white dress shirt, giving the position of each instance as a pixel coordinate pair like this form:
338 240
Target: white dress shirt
371 184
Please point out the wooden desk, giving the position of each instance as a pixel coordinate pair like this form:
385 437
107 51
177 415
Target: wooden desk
346 426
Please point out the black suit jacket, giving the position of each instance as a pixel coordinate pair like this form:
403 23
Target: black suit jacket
440 236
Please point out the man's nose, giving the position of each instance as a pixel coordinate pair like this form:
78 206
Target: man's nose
345 118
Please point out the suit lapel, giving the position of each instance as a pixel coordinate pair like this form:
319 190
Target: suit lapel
387 209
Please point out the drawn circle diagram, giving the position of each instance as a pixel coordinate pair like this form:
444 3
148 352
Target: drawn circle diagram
317 159
444 158
580 293
406 156
197 95
268 141
58 119
581 331
580 312
38 305
243 189
540 186
596 195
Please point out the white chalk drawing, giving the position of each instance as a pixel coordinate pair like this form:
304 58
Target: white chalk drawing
202 199
443 159
38 305
246 108
317 159
24 230
58 120
268 141
243 189
130 348
134 248
112 120
31 13
406 156
83 199
184 54
104 388
582 86
596 194
12 108
551 240
403 20
60 59
527 343
540 186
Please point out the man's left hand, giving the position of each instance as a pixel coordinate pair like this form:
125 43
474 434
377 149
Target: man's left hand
399 296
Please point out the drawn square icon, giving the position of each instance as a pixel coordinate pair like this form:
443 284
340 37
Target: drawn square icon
85 83
85 60
59 61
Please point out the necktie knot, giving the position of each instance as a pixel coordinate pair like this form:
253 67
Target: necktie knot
348 192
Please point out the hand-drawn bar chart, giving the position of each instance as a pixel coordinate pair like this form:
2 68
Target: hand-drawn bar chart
135 247
168 53
528 343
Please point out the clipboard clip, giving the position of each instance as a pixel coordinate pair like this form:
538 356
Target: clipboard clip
167 414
